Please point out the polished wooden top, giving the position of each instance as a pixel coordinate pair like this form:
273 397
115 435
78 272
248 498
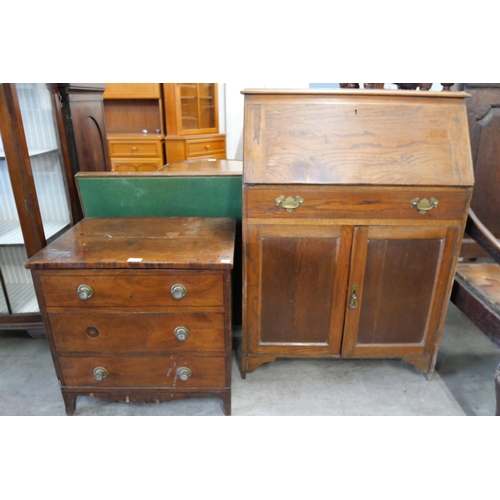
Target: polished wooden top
141 243
359 92
205 167
187 168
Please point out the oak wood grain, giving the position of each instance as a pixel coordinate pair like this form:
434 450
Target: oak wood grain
389 139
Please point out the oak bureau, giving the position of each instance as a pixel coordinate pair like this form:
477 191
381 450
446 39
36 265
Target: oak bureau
139 309
354 205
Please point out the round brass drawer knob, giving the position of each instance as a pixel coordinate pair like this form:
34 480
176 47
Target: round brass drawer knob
178 291
184 373
100 373
92 332
181 333
84 292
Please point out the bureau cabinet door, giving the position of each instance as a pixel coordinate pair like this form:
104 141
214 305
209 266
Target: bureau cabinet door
398 285
296 277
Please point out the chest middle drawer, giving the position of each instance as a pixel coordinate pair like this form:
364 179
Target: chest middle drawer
130 289
139 332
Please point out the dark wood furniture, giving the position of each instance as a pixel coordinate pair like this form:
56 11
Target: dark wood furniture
483 113
476 290
354 206
83 112
38 197
138 309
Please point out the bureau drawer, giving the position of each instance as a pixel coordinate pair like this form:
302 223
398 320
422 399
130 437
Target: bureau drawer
139 371
127 149
356 203
197 148
137 332
132 289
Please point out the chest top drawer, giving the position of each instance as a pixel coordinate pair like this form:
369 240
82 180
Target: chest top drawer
132 289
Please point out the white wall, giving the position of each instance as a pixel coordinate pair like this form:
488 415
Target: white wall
233 103
231 111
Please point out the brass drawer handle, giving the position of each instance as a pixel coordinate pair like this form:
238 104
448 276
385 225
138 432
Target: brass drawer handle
100 373
184 373
181 333
84 292
424 205
289 203
353 303
178 291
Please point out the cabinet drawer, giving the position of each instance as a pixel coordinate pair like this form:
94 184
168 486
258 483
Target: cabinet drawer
127 149
136 164
133 290
137 332
147 371
198 147
356 203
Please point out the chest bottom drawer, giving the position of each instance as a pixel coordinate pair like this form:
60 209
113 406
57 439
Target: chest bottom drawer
137 332
128 371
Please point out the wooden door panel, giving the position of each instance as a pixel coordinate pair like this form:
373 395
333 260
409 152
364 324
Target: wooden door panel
401 276
296 277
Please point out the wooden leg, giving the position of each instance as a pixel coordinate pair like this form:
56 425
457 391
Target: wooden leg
226 400
497 390
69 403
424 363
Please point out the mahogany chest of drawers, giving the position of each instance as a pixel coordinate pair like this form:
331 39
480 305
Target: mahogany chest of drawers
354 205
138 309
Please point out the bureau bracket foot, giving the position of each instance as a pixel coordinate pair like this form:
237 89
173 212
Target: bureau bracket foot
424 363
254 362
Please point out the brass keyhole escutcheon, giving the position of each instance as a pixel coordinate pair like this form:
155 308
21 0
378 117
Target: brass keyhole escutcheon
289 204
92 332
353 302
178 291
100 373
424 205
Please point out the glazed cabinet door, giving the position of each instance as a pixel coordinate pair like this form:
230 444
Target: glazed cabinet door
398 285
296 277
